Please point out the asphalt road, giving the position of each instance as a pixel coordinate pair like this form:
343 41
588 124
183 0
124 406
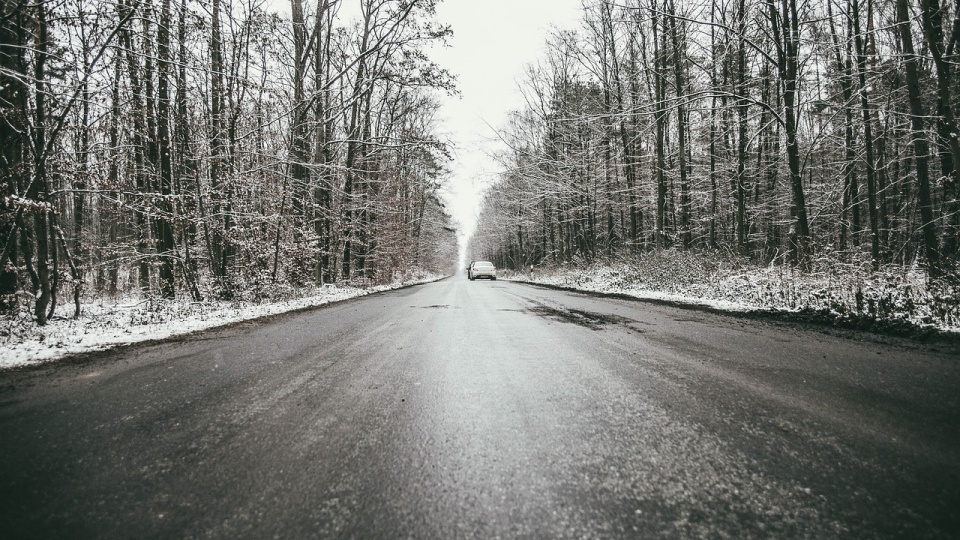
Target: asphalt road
488 409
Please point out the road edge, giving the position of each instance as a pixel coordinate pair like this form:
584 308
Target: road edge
853 327
94 354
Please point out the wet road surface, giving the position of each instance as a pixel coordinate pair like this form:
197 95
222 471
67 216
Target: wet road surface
488 409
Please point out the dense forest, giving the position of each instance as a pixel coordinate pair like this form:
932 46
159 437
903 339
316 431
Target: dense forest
779 132
190 148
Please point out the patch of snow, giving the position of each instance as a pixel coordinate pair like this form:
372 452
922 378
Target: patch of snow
894 294
103 325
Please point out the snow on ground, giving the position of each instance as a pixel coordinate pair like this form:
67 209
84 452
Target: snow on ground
601 283
836 293
107 324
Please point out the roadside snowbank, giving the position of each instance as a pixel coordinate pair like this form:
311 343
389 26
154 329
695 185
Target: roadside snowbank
854 295
106 324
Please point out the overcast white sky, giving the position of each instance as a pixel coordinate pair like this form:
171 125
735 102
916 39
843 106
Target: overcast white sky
493 40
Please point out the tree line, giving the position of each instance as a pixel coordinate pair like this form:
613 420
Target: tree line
779 131
180 147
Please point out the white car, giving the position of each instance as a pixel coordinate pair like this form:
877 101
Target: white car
482 269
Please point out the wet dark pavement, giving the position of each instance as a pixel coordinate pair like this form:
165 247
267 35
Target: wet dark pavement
488 409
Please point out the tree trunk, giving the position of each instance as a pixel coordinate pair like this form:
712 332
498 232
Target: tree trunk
80 183
876 248
354 152
947 129
13 143
324 134
218 236
660 97
742 110
679 61
851 191
186 177
139 144
920 148
787 37
165 242
38 191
